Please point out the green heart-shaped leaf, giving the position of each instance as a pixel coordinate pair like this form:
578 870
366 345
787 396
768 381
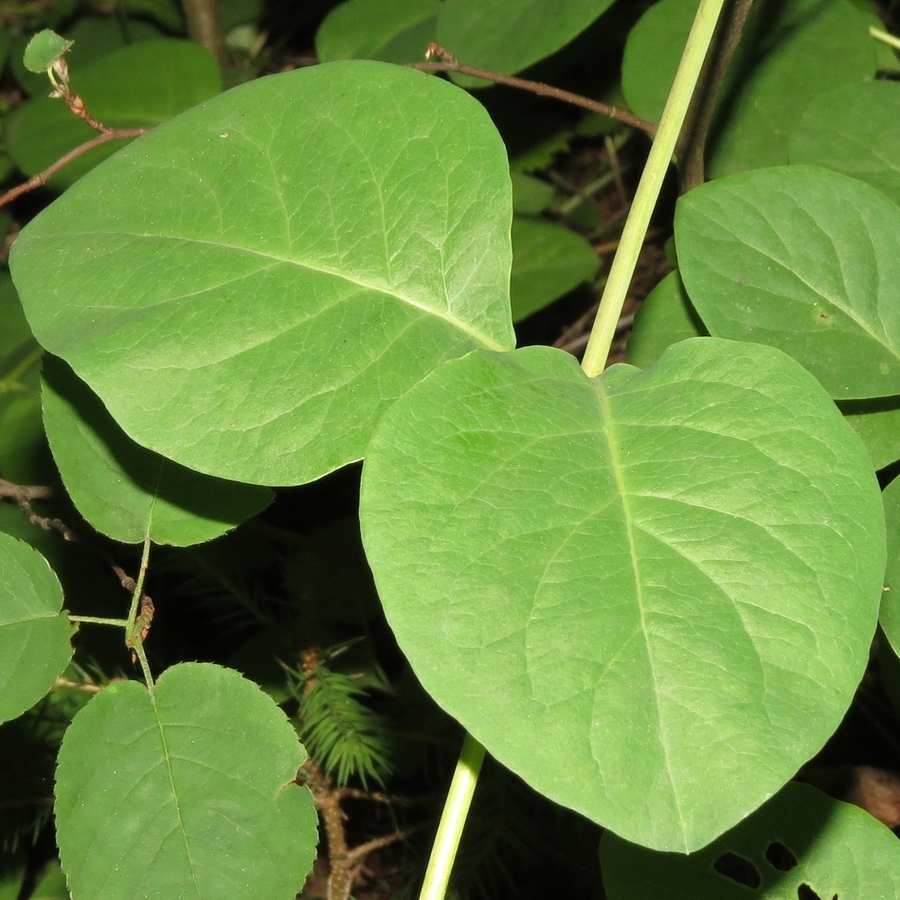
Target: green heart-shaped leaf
251 284
188 790
625 588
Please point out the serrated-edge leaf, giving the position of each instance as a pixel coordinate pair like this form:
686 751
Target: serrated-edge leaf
188 792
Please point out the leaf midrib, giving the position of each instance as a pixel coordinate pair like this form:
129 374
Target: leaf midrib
486 341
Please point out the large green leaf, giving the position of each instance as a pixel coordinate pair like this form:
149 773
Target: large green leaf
800 837
34 633
625 588
138 86
266 273
510 35
125 490
802 258
187 792
791 51
852 129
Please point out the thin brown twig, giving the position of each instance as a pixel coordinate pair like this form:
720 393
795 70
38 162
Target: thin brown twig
23 494
42 178
543 90
361 851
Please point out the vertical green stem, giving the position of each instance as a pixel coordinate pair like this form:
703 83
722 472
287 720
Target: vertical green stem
453 818
139 584
645 198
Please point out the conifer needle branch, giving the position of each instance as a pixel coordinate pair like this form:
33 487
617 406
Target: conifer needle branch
543 90
42 178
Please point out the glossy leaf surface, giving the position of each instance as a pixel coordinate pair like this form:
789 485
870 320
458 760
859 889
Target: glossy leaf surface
802 258
189 792
124 490
317 264
800 837
34 633
625 587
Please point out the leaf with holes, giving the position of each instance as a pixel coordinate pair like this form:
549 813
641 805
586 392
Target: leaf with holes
189 791
799 838
250 285
626 587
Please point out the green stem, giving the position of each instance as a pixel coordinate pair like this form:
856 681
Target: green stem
645 198
139 585
881 35
453 819
97 620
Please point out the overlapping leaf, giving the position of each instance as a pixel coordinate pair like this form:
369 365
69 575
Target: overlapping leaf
624 588
188 791
126 491
802 258
799 838
34 633
250 285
